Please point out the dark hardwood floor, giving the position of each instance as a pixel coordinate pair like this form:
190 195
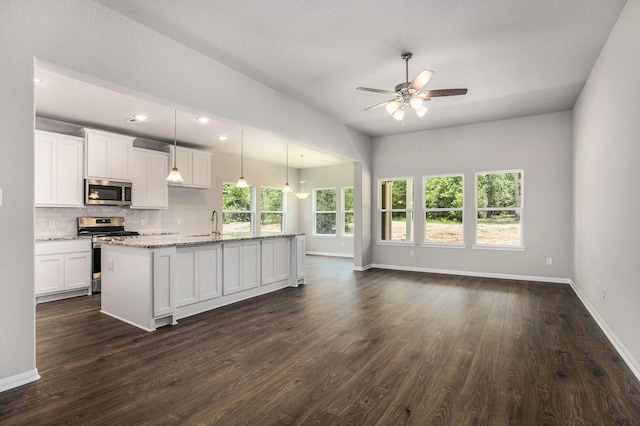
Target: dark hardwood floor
349 348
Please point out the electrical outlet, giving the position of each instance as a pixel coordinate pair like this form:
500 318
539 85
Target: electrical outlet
179 222
110 265
52 224
410 253
143 222
549 261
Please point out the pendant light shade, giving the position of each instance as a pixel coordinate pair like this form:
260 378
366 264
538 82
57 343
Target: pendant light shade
242 183
174 174
287 187
302 194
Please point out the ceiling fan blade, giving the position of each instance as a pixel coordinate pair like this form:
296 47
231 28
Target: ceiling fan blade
440 93
368 89
420 80
379 105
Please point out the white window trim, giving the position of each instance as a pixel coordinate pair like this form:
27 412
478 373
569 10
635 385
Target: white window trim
252 188
315 234
283 212
344 212
424 242
521 246
411 240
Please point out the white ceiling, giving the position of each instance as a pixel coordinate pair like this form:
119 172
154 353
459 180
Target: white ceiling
516 57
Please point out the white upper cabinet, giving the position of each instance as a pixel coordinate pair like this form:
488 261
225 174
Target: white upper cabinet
194 166
108 155
58 170
149 187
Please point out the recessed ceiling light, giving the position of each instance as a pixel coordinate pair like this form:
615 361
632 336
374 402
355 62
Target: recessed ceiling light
222 138
138 118
37 80
203 120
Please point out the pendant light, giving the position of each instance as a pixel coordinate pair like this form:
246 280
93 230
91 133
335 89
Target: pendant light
174 175
301 194
287 187
242 183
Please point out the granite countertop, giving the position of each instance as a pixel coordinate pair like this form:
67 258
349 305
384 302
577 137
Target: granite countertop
159 241
63 238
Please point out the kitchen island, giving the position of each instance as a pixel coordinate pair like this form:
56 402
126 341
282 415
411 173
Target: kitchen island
152 281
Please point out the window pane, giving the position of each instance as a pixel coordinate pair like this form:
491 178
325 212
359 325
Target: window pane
397 194
271 199
237 224
348 199
443 227
498 228
348 223
326 223
326 200
499 190
271 223
443 192
396 226
237 199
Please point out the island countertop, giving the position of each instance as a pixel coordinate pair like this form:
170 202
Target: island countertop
160 241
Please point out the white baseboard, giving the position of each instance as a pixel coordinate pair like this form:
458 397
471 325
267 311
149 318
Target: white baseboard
19 380
617 344
475 274
328 254
362 268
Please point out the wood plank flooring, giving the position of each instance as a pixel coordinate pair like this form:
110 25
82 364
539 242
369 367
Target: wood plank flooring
349 348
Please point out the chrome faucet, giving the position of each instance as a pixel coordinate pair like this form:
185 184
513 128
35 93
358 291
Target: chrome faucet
214 224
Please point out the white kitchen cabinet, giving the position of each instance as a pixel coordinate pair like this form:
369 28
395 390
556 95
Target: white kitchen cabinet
58 170
194 166
148 177
276 254
163 279
61 267
241 266
108 155
199 274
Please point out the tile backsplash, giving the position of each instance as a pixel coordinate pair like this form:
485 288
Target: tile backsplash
63 221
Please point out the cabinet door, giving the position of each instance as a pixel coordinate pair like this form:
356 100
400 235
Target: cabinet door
186 276
158 191
250 265
281 260
301 252
69 159
209 271
77 270
97 154
119 151
184 164
140 179
163 279
268 262
201 169
231 270
49 273
45 169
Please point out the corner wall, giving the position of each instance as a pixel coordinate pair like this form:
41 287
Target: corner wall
606 194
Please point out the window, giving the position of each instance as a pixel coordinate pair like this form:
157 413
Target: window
347 211
271 211
396 209
443 206
324 205
237 210
499 208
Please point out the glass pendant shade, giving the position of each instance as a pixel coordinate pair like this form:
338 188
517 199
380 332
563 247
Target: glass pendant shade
399 114
422 111
174 174
302 194
287 188
242 183
392 106
416 103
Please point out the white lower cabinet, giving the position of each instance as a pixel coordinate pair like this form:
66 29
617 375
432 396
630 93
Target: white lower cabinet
163 277
62 266
198 274
241 266
276 254
301 252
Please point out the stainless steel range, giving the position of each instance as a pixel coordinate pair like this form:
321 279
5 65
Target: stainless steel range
102 229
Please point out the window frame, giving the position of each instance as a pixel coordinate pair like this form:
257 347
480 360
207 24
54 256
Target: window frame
425 210
344 211
315 212
283 212
519 247
252 212
410 241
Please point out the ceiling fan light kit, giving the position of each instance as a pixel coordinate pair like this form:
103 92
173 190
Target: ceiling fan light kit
411 93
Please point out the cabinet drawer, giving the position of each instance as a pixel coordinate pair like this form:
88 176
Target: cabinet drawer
68 246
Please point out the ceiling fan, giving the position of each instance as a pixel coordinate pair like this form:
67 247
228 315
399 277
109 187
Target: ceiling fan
410 93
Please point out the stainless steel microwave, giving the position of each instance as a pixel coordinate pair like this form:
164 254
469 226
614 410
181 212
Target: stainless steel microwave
107 192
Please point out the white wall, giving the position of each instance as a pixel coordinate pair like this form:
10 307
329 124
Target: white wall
540 145
91 42
325 177
606 194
